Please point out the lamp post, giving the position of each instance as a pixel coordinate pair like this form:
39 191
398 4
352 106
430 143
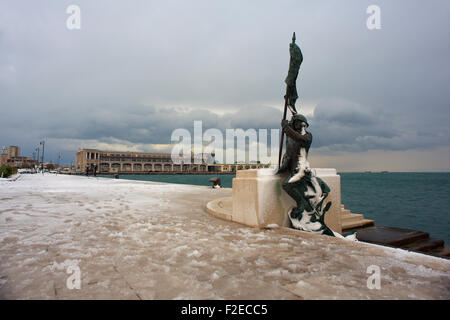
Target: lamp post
42 143
37 149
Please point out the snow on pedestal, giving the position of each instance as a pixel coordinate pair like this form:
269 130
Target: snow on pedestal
259 199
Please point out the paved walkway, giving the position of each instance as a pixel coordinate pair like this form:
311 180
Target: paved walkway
140 240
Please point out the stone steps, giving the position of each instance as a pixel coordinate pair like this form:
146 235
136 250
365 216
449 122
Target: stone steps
390 236
363 223
411 240
353 221
348 218
407 239
424 245
443 252
345 212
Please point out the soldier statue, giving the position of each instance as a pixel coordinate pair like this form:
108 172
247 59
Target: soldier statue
308 191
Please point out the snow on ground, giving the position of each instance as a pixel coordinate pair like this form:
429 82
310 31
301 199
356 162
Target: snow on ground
144 240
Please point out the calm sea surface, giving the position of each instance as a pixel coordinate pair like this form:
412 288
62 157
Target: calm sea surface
407 200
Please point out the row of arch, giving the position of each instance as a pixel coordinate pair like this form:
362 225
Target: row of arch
146 167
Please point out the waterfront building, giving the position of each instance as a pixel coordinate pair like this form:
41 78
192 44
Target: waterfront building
131 162
115 162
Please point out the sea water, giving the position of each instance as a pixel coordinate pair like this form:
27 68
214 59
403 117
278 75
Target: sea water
419 201
411 200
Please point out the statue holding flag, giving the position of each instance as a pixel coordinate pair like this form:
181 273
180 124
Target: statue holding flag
301 184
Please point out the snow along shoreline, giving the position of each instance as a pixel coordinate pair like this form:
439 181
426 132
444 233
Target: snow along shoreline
147 240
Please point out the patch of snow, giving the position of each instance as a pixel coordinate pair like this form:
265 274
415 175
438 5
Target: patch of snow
157 239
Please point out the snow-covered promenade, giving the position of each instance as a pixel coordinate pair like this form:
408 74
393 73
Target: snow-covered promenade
143 240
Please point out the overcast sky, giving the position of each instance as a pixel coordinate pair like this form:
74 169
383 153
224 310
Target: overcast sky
137 70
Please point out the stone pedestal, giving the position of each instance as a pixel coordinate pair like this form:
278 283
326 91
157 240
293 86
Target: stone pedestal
258 198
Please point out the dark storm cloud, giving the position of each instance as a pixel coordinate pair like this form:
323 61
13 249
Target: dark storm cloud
342 125
136 71
144 124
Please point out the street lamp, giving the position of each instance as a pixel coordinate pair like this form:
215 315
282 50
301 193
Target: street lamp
42 143
37 149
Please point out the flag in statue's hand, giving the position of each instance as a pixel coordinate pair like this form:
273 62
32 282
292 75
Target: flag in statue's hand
294 66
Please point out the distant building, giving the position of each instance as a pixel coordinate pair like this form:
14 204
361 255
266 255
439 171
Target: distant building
109 162
13 158
13 152
127 162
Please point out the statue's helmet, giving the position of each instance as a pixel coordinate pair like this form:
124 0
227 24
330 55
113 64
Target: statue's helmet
300 117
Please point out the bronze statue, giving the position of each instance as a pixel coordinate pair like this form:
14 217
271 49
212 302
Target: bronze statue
308 191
